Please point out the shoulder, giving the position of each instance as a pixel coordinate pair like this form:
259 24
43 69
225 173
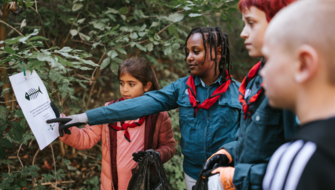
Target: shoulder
287 164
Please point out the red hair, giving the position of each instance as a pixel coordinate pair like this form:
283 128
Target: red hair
270 7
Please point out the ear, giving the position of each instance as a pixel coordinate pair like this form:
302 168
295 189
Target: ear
147 87
308 64
218 50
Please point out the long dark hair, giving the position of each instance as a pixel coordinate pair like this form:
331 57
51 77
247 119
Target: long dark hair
215 38
140 69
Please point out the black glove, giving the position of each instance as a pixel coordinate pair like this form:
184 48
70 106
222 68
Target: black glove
138 157
217 160
67 122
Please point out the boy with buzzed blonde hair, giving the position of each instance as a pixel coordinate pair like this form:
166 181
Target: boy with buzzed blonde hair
299 75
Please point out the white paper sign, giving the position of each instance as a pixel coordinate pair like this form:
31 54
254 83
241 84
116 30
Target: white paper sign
34 101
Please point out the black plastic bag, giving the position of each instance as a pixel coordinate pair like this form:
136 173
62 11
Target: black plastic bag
149 175
201 183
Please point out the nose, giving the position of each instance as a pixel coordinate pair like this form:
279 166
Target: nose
244 34
189 58
125 88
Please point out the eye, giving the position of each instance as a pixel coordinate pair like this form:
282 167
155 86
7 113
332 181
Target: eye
121 83
196 52
251 23
131 84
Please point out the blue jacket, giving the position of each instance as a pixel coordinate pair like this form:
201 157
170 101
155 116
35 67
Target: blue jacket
202 135
259 137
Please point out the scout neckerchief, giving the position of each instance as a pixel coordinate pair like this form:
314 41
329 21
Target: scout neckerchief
125 126
209 101
252 74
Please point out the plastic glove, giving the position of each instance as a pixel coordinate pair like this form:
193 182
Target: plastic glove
218 159
58 115
69 121
138 157
226 177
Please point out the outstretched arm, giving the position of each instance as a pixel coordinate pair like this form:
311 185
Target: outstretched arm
150 103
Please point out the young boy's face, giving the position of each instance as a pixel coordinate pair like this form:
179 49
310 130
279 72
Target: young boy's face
278 74
255 25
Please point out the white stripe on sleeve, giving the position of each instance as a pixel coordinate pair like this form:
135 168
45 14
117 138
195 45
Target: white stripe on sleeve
272 165
284 164
299 164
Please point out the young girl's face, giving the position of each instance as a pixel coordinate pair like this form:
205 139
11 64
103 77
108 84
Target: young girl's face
255 25
196 56
130 87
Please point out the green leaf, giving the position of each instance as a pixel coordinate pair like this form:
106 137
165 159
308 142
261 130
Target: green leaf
105 63
114 67
110 10
112 53
13 40
19 113
150 47
154 24
194 15
73 32
29 4
80 21
9 50
87 38
1 84
176 17
134 35
38 38
89 62
98 25
115 27
123 10
168 50
139 46
121 51
6 143
77 6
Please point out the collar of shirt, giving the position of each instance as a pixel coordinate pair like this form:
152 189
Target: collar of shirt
198 81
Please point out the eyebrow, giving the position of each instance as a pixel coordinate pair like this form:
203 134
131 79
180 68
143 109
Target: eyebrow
127 81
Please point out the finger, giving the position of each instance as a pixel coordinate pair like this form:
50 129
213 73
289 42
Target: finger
61 133
67 131
61 120
210 163
207 174
217 170
55 109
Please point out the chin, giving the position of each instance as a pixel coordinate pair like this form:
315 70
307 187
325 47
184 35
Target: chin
255 54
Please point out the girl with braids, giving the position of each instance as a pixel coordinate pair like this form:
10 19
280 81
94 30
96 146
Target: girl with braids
207 101
262 128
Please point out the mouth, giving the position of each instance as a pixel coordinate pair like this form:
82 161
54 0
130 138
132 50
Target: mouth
247 45
126 97
192 66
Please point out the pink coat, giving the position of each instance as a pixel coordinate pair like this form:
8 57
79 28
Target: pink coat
87 137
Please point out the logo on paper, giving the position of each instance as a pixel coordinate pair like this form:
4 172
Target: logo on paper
51 127
32 93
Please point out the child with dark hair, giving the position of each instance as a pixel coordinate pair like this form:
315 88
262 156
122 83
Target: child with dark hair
207 101
125 143
299 75
263 129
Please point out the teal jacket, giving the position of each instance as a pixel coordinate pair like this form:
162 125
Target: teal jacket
201 135
259 136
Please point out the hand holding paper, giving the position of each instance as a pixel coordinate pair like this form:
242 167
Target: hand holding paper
69 121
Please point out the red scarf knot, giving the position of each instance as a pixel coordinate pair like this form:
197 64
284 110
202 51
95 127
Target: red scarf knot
125 126
252 74
209 101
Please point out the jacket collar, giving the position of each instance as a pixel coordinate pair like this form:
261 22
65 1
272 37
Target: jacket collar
198 81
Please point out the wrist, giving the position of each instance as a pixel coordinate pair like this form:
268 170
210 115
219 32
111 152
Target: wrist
83 117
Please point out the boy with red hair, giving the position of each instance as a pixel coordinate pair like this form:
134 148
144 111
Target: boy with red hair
263 129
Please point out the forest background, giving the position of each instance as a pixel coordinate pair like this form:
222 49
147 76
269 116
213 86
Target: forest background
76 47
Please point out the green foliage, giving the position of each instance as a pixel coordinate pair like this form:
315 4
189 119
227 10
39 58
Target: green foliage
76 48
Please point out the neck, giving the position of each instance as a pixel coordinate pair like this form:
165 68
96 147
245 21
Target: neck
210 77
316 104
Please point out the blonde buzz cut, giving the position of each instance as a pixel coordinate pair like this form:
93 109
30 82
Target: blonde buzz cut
306 22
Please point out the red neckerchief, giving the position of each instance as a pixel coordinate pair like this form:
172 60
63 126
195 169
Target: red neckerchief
125 126
209 101
252 74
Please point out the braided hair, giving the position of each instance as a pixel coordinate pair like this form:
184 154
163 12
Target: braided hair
215 38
